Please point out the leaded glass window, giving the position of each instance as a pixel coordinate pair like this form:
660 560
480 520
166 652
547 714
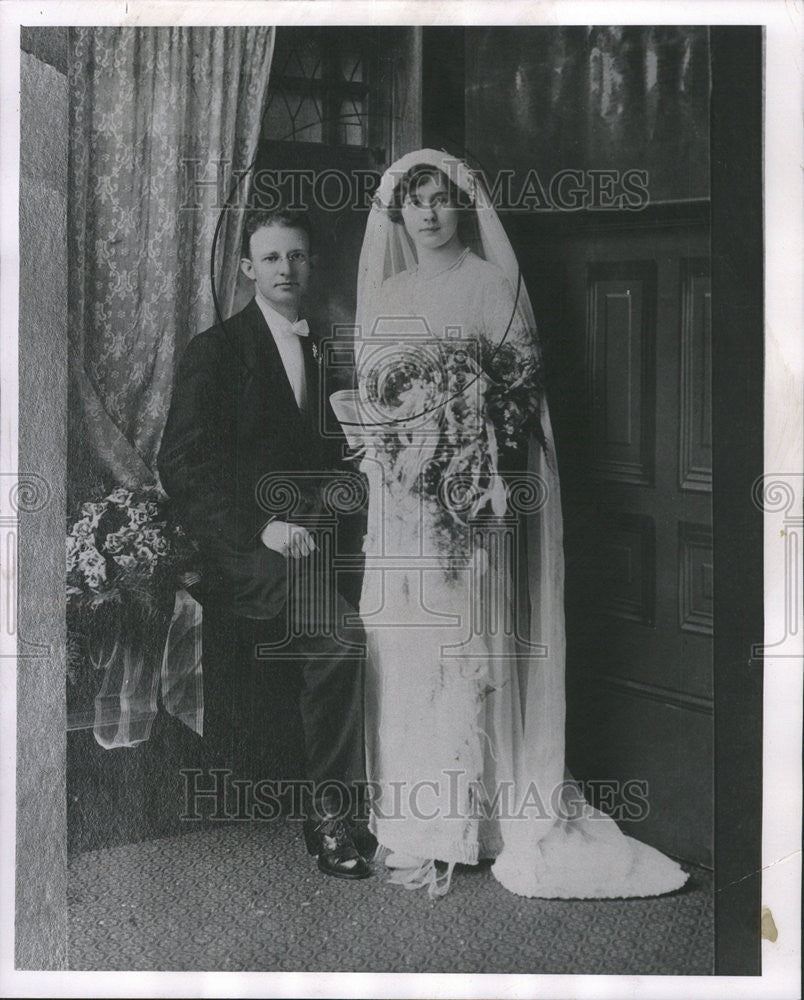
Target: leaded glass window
320 86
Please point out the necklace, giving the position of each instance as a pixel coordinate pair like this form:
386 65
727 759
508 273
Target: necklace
442 270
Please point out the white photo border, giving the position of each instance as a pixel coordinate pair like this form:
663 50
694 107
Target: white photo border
784 308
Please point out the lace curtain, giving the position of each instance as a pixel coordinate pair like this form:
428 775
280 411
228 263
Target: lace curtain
158 116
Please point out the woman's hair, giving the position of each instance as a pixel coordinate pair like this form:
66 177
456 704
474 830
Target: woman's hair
414 178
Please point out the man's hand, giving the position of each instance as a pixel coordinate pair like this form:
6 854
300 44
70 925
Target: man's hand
289 540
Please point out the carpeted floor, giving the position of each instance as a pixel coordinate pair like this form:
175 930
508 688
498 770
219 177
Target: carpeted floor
248 897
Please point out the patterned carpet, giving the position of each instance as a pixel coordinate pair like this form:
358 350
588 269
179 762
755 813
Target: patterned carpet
241 897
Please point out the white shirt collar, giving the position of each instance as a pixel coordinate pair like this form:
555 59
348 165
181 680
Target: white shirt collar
278 324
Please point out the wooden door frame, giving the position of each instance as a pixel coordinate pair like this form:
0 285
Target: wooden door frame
737 436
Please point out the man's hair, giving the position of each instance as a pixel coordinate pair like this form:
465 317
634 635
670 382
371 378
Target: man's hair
261 218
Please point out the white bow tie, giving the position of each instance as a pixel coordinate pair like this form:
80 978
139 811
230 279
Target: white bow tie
300 328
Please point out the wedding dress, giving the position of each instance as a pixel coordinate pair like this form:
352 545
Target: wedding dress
465 677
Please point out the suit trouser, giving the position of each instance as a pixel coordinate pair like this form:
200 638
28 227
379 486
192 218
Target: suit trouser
257 672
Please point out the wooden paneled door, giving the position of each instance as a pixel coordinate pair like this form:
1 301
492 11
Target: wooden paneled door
625 313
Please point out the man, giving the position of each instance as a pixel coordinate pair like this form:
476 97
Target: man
244 416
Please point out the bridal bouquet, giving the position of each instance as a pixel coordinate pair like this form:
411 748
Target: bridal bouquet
124 553
445 417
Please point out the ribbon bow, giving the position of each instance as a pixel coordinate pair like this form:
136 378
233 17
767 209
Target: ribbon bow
300 328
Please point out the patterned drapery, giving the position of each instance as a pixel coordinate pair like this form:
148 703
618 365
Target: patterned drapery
163 123
157 117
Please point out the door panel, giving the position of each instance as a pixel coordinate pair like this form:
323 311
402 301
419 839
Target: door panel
633 732
620 337
695 606
695 449
624 315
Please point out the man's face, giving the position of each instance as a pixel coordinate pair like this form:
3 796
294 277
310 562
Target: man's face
280 265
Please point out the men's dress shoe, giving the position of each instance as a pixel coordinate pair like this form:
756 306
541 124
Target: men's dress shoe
363 839
332 843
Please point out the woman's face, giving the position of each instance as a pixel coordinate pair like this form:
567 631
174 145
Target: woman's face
430 218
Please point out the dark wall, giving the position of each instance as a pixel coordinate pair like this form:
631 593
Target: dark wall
592 98
444 88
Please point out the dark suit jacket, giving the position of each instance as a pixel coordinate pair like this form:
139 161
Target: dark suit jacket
234 420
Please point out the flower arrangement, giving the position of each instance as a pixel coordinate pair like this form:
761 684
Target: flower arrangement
124 552
452 417
514 397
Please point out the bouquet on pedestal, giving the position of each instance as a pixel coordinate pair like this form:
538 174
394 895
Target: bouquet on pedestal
124 555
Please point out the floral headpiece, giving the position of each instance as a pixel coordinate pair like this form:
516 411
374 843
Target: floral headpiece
453 168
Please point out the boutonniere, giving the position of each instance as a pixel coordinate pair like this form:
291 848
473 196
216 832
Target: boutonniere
316 351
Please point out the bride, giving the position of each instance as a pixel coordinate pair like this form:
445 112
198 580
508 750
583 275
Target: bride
462 599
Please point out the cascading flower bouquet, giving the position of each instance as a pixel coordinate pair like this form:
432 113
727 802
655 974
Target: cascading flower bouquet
124 555
447 417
